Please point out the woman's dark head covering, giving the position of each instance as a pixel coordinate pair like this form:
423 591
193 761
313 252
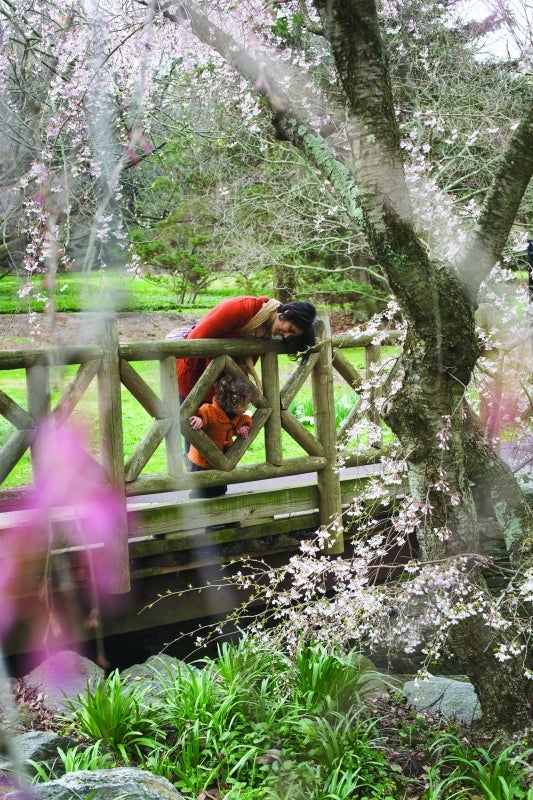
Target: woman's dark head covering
303 315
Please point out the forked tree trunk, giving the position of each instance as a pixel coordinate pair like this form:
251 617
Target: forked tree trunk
428 411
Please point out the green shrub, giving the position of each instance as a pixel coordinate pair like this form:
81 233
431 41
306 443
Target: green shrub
115 715
462 770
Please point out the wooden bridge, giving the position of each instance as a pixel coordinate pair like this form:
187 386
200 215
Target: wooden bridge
166 541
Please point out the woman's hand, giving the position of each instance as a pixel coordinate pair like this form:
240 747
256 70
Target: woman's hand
196 423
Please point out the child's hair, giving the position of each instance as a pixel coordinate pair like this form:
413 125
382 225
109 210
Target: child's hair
231 391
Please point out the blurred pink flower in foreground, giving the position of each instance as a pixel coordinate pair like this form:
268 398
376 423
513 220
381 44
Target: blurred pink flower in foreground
73 508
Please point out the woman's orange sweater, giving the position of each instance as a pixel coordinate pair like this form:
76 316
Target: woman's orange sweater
224 321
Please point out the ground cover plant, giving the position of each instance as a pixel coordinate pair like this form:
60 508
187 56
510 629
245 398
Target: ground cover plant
256 723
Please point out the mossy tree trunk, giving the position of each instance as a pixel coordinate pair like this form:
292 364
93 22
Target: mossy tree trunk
428 411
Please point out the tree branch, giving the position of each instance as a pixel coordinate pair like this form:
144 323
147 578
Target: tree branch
500 207
311 25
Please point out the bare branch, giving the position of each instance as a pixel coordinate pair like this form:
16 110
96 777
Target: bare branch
313 26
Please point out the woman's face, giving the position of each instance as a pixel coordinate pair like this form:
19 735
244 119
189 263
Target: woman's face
285 328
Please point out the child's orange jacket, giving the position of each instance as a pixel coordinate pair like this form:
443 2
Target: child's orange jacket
220 428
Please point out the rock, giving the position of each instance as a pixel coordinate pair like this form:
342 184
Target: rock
154 676
10 716
62 677
453 699
105 784
38 746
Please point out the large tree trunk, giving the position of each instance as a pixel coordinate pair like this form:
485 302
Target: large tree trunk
427 413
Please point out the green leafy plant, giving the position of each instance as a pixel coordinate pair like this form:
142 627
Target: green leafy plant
162 762
463 770
115 715
250 674
80 757
327 679
86 758
252 720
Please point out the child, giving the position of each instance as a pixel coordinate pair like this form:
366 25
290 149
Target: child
222 420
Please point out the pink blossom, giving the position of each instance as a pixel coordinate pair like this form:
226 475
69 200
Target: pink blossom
132 155
68 477
73 508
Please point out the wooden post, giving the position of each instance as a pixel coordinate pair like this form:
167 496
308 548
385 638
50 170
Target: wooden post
271 391
38 393
169 396
329 492
112 448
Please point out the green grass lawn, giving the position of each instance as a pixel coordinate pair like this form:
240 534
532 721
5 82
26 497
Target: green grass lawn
104 291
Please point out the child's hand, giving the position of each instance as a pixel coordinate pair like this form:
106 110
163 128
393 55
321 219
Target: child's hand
243 431
196 423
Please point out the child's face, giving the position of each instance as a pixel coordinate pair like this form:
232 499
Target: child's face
239 408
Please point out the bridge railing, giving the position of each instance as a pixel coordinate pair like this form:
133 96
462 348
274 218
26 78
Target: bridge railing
115 369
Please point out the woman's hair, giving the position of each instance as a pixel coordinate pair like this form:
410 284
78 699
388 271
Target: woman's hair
231 391
303 315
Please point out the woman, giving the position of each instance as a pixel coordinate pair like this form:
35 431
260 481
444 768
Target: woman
246 316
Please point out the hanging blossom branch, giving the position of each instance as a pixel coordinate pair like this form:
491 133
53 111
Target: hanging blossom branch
373 601
89 100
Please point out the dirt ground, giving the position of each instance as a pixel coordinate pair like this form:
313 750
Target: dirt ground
19 331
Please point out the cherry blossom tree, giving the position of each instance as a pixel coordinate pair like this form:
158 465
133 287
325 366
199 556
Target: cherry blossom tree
92 83
76 90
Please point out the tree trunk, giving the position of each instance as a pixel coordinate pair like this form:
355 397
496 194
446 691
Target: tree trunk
427 412
497 487
505 697
284 284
